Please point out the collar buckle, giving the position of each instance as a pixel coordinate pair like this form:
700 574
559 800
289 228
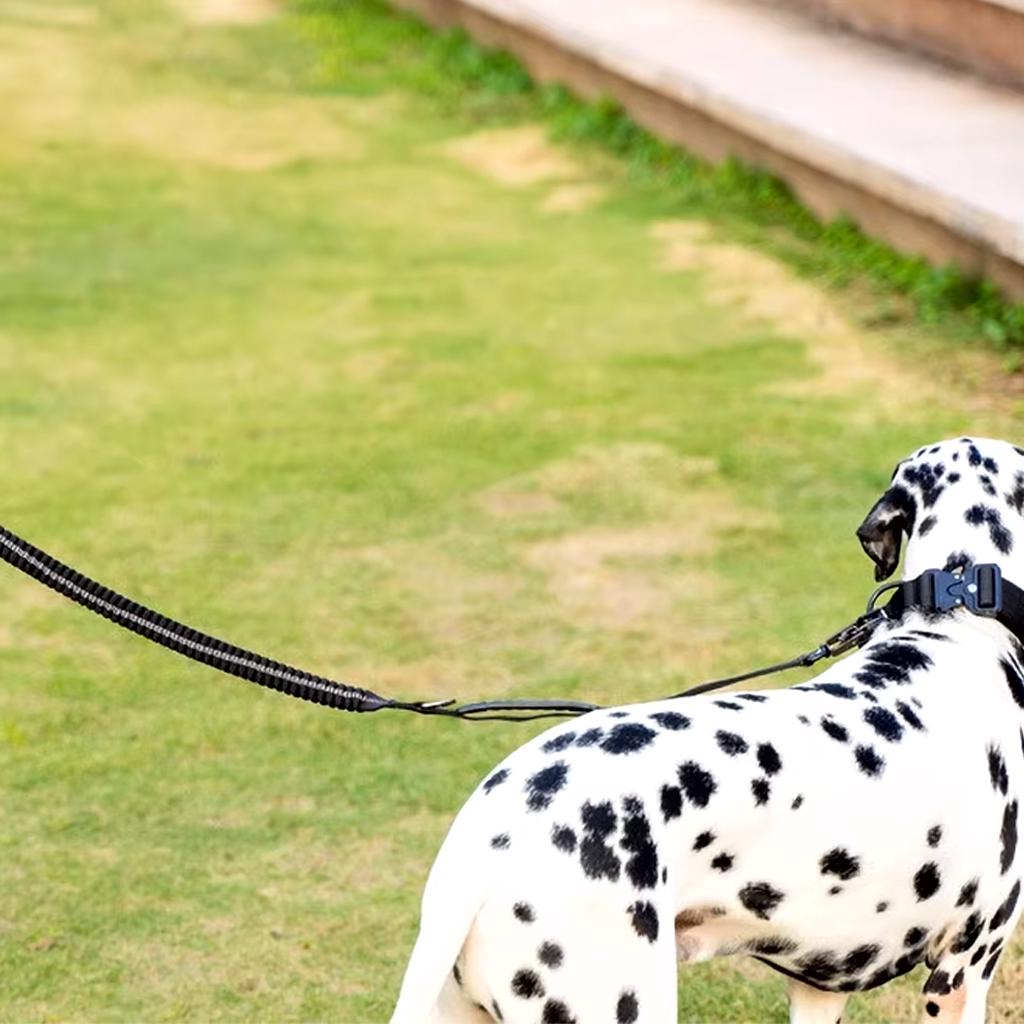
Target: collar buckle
979 589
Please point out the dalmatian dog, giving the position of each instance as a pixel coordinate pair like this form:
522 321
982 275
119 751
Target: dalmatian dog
842 831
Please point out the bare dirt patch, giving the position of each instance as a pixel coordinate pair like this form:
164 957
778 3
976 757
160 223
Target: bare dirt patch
765 290
514 157
229 12
572 198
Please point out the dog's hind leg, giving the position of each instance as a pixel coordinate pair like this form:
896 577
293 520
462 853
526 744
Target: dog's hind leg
809 1005
957 990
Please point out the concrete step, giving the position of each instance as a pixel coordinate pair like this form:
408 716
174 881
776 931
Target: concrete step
983 36
927 159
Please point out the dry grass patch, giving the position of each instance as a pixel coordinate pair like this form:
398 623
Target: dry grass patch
237 134
572 198
514 157
52 88
228 12
761 288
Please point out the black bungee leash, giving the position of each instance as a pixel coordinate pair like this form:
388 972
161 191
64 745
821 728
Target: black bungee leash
979 589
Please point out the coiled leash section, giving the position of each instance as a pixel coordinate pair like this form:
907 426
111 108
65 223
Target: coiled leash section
245 664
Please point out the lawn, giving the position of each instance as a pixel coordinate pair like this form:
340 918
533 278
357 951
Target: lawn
313 337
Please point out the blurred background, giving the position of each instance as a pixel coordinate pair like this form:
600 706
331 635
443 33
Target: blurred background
555 354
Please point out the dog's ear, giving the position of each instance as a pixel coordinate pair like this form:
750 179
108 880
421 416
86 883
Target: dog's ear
881 533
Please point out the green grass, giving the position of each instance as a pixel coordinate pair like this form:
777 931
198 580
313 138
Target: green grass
279 365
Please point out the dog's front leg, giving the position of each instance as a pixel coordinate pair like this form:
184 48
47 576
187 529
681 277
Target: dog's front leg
809 1005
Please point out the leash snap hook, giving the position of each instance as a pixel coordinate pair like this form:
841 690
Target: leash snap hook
854 635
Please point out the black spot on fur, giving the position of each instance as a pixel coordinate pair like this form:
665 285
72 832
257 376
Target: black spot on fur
728 705
881 908
991 465
915 937
841 863
723 862
1015 497
599 818
761 899
958 560
926 526
934 836
618 714
978 515
627 1009
541 787
559 742
627 738
496 1011
909 716
979 955
589 738
990 967
762 790
563 838
835 730
928 634
973 455
670 720
551 954
1008 837
795 805
857 959
835 890
768 758
730 743
645 920
818 967
754 698
925 477
997 770
891 661
968 894
868 761
496 779
704 839
457 975
1014 680
501 841
642 866
968 934
524 912
927 881
932 1009
698 785
597 858
671 802
885 723
834 690
556 1012
527 985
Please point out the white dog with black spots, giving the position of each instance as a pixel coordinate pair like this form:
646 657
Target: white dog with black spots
842 831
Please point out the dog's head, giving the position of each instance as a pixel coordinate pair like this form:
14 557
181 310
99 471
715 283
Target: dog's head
958 502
